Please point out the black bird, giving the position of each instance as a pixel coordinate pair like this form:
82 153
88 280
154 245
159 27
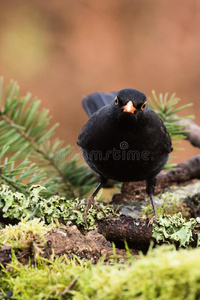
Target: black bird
123 140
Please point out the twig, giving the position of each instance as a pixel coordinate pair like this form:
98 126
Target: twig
68 288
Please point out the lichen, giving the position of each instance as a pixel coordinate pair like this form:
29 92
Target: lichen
173 200
16 205
174 229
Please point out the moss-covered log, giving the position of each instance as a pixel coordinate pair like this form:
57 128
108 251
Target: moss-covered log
64 240
34 239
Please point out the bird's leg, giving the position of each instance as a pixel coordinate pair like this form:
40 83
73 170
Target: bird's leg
153 205
90 200
150 188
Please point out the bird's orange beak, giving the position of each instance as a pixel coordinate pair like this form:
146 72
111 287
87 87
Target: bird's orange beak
129 108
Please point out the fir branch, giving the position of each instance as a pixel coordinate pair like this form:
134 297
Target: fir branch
166 109
14 176
25 128
33 146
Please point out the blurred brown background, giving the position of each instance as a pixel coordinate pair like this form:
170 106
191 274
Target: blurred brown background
62 50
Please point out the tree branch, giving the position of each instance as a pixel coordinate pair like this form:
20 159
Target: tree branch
193 131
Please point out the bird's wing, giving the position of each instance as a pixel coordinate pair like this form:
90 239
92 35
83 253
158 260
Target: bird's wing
162 132
94 127
95 101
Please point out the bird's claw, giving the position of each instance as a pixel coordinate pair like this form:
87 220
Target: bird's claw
153 220
90 202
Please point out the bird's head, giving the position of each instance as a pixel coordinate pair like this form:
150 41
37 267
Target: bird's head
129 104
130 101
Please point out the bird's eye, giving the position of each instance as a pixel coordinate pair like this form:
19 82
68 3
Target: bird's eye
143 106
116 101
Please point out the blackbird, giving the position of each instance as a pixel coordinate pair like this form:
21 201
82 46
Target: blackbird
123 140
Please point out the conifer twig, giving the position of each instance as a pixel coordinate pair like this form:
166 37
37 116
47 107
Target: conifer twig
25 128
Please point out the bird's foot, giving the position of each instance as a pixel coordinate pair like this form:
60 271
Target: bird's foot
153 220
90 202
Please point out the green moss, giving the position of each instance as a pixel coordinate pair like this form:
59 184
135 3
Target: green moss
163 274
20 236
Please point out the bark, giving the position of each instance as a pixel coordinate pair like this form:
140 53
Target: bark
137 232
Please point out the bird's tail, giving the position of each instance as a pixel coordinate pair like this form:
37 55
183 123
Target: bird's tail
95 101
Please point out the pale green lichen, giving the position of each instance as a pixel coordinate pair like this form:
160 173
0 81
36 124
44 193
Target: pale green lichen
16 205
174 229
